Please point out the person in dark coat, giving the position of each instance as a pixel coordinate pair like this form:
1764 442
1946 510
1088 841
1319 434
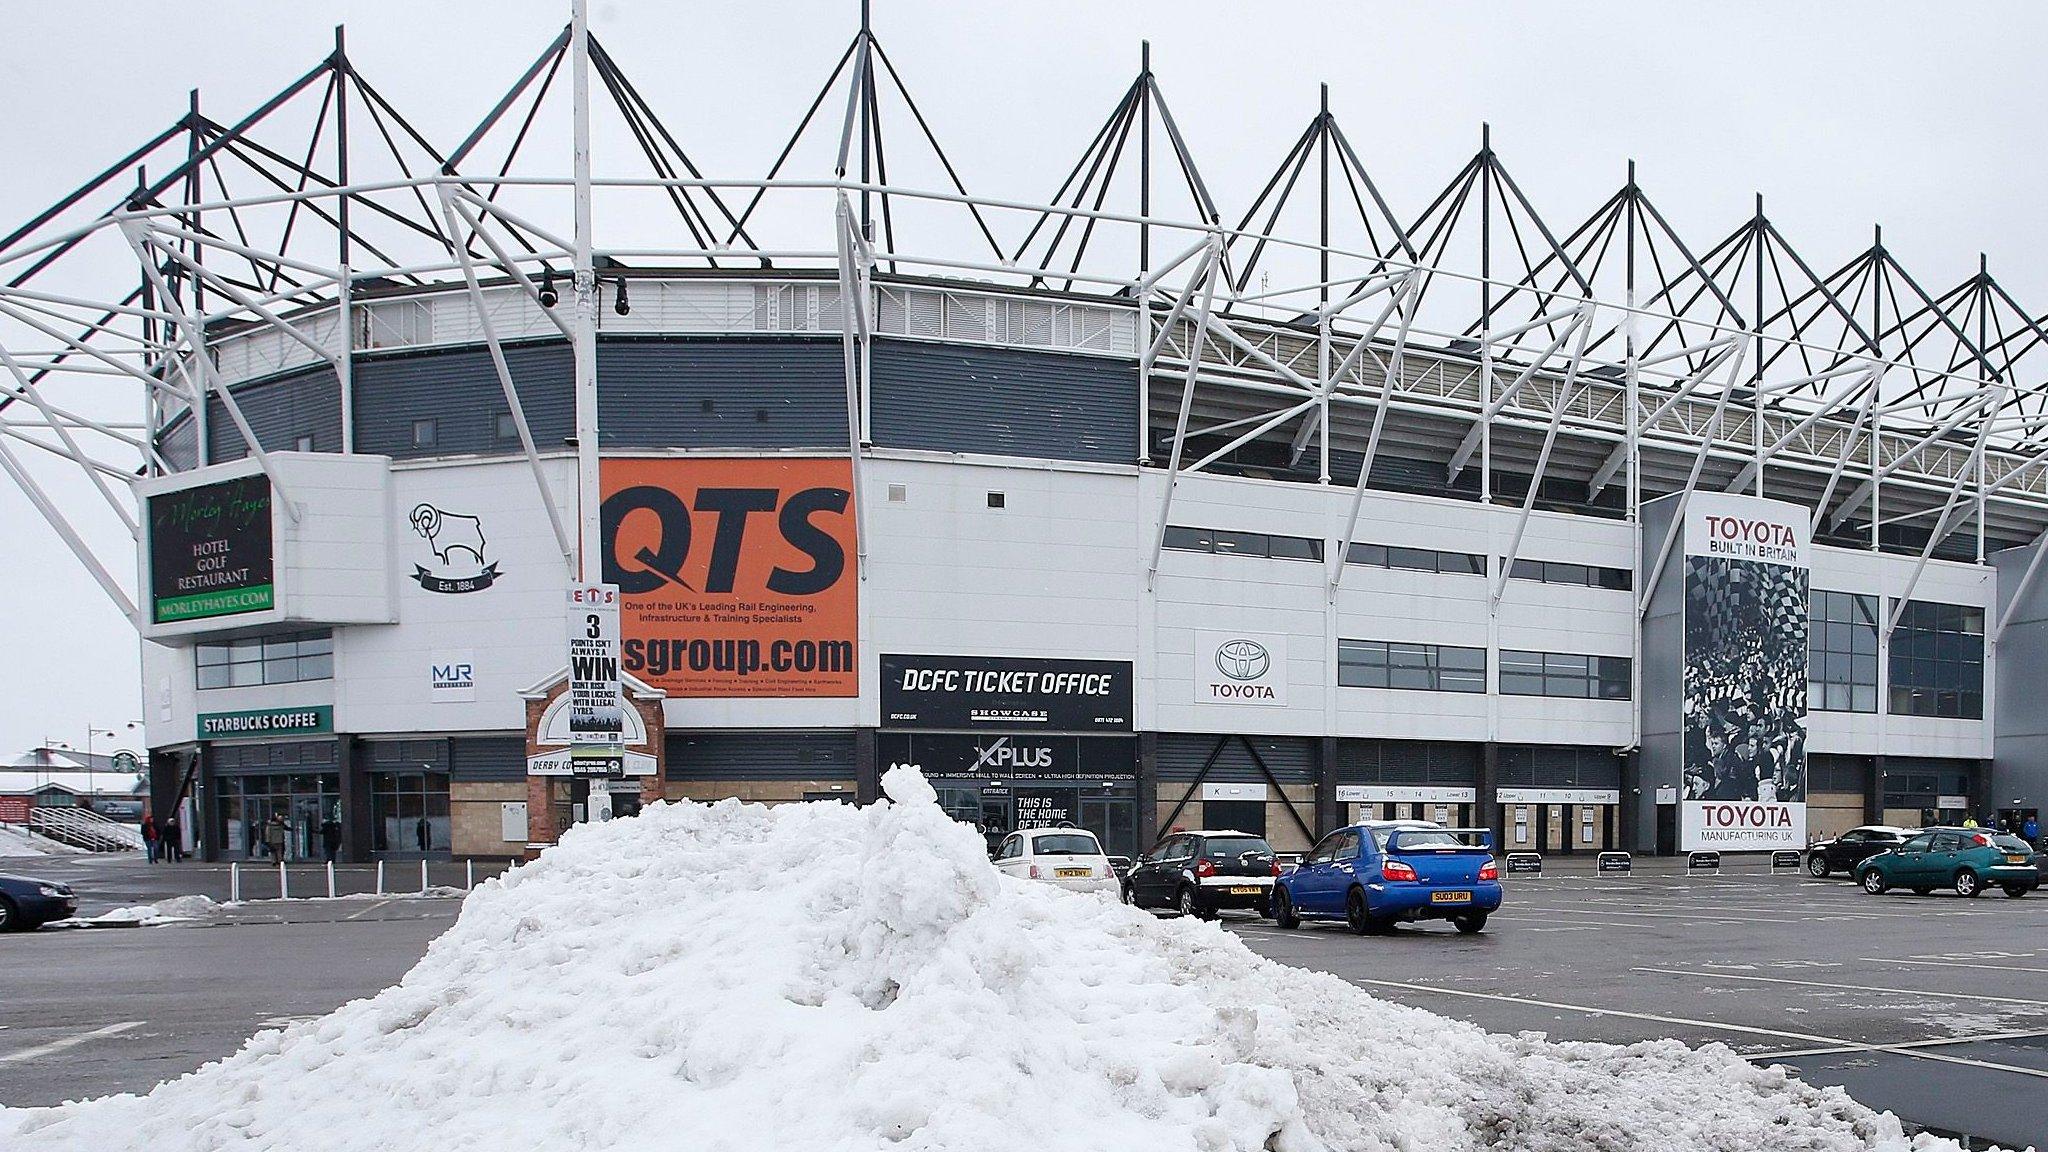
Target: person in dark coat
330 837
275 830
173 844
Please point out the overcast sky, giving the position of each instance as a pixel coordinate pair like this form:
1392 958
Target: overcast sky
1922 117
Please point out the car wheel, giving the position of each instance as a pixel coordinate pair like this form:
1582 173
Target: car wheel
1873 882
1358 915
1283 910
1817 866
10 920
1129 895
1189 906
2015 891
1470 924
1968 884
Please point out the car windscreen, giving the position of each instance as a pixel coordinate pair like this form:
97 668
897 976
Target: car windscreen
2010 843
1412 839
1232 847
1066 844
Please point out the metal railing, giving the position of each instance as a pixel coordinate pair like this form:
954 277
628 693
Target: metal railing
84 828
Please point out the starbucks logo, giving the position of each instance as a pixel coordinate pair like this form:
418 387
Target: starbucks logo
1242 659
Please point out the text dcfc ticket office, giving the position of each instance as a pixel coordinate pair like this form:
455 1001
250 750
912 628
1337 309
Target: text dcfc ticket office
1017 742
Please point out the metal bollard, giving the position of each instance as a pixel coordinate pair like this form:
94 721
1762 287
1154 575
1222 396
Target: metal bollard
423 877
284 883
469 874
380 877
235 883
330 879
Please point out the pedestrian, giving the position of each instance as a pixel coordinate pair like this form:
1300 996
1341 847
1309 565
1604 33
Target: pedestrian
330 837
149 838
274 831
173 846
424 833
1969 821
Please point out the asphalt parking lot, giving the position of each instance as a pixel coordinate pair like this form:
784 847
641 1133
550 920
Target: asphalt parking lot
1932 1007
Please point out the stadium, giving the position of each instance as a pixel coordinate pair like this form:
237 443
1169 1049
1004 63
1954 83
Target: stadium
1100 502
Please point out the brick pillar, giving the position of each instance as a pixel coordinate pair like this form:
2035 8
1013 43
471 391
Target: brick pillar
540 799
656 723
867 774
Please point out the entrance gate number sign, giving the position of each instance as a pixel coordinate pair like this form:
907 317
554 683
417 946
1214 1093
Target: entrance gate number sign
597 727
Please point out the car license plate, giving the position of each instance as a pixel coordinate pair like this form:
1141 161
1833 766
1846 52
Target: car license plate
1070 873
1252 890
1450 897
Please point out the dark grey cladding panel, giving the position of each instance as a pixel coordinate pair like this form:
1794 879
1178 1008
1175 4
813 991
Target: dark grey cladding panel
1558 766
722 393
1003 401
458 389
481 758
795 754
280 410
179 443
1291 759
1408 762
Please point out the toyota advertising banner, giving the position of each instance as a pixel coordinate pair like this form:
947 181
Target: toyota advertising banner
970 692
211 551
1746 573
736 576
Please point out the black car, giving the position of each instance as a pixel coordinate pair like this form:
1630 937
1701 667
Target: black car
1840 856
27 904
1198 873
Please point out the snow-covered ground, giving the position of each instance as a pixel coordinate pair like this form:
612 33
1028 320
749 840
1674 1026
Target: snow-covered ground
176 910
20 842
817 976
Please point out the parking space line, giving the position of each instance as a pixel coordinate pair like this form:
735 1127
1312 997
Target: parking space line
366 910
1831 986
1952 964
1835 1044
1940 1042
59 1045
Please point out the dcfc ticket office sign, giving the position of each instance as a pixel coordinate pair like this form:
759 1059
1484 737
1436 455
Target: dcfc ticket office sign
737 576
964 693
211 551
309 721
1744 698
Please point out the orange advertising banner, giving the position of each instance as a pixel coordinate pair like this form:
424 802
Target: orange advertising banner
737 576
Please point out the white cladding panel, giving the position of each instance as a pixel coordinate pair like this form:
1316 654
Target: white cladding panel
1059 570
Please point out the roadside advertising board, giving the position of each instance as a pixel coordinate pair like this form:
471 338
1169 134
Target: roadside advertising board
211 551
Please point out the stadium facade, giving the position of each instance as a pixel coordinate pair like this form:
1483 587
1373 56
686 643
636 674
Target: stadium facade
1101 511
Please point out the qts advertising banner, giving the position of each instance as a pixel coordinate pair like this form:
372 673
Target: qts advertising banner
737 577
1746 572
210 551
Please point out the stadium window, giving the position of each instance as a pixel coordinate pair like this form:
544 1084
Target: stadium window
1841 652
1418 667
508 428
304 443
1416 559
1937 661
1564 674
290 658
1184 539
425 433
995 499
1587 575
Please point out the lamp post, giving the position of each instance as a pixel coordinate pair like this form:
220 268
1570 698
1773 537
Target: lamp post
91 786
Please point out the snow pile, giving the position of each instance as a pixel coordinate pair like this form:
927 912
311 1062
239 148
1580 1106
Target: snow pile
20 842
809 977
176 910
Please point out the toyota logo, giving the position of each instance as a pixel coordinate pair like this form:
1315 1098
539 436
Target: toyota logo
1242 659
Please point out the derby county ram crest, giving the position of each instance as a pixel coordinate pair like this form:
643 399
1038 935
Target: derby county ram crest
457 542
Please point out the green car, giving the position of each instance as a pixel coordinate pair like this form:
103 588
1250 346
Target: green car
1967 859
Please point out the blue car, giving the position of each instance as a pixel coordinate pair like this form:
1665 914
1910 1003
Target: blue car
27 904
1374 874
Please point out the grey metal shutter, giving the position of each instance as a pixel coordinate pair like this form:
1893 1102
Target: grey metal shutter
279 410
479 758
1003 401
1291 759
1559 766
781 755
1408 762
722 393
458 389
